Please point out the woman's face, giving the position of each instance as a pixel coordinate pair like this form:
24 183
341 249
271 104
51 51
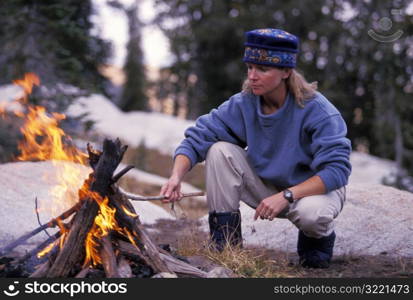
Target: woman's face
265 80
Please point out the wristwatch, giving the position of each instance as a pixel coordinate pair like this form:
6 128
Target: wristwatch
288 195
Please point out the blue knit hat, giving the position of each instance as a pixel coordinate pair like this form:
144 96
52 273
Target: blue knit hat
271 47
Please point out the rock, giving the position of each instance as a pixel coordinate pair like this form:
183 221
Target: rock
164 275
375 219
220 272
124 269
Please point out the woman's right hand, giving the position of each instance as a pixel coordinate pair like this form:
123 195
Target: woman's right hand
172 190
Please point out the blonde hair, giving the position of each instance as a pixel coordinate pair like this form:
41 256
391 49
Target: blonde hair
296 85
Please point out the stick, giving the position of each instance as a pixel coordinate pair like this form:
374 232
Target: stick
40 247
181 267
38 217
135 197
174 264
83 273
51 223
108 258
41 271
121 173
140 236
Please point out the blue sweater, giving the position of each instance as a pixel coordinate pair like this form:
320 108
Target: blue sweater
286 147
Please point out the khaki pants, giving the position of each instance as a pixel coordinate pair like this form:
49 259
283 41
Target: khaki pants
231 179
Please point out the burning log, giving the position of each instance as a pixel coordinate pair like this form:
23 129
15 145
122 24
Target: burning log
101 179
108 258
104 230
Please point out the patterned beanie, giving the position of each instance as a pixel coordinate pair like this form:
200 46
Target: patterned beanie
271 47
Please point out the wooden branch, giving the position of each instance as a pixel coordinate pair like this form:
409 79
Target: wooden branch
51 223
173 263
94 156
83 273
41 270
36 208
181 267
141 237
73 249
152 250
135 197
40 247
121 173
108 258
130 250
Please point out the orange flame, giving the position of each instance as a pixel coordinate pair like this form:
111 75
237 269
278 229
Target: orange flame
44 140
27 83
47 249
129 213
104 222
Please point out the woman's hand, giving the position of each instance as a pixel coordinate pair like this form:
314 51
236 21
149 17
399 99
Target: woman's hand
172 190
270 207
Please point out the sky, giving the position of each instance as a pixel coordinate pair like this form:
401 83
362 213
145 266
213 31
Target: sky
112 25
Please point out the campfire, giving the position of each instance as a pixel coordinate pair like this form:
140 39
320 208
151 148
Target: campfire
102 230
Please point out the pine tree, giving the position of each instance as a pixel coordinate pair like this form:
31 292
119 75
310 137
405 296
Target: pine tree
133 95
53 39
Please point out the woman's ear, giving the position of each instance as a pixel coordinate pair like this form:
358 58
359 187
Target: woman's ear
287 73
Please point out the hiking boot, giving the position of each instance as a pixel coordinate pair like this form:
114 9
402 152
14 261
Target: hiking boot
225 229
315 253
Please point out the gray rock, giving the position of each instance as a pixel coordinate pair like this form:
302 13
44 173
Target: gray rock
220 272
375 219
164 275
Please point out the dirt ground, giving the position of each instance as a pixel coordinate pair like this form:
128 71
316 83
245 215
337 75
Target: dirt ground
177 234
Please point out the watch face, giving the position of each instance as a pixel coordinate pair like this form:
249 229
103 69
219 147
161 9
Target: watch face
288 195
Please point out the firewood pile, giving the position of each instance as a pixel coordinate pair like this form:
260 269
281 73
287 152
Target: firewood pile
104 233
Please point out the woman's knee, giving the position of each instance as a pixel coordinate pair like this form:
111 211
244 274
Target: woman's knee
221 149
313 218
316 225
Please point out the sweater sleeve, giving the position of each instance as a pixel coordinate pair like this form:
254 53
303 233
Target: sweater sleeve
222 124
331 151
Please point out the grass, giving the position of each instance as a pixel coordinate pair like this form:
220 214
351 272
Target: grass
250 263
243 262
184 236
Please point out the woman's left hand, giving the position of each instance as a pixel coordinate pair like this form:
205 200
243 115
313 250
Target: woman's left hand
270 207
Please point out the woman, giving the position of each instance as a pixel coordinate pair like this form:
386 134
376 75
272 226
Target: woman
279 145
